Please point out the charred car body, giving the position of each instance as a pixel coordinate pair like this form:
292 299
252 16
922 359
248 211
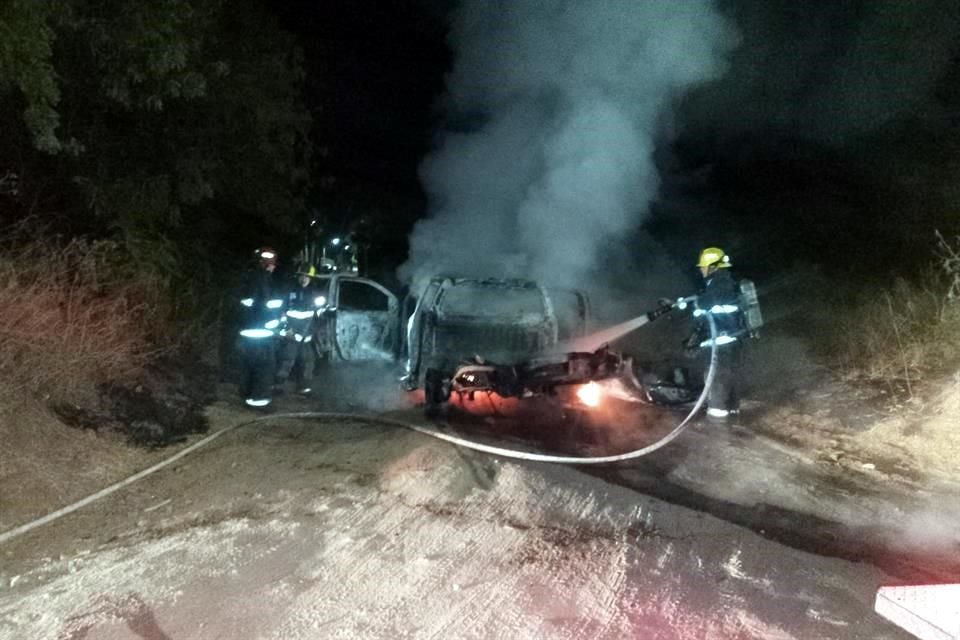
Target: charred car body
452 320
508 337
465 335
469 335
457 320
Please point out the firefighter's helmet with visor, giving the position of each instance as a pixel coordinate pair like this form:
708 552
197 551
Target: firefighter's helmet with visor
714 257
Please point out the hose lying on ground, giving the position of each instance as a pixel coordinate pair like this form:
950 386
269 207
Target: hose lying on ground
326 415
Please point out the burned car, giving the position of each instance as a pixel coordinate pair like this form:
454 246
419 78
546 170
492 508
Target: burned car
516 339
507 337
452 320
459 320
467 335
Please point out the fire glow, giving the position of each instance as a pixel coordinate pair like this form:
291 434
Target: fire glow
590 394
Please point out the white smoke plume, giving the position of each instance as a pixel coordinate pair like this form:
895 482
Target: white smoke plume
561 105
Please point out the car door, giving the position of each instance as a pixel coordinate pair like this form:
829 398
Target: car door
416 327
365 318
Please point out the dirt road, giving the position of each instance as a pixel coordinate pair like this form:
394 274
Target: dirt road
310 529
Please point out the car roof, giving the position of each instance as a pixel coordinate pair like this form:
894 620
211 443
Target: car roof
487 282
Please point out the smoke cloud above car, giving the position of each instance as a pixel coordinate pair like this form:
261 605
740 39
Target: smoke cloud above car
554 110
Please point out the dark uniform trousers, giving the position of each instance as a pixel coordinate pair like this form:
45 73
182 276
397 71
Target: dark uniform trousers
723 394
293 352
259 358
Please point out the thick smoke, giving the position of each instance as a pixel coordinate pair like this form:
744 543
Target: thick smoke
560 104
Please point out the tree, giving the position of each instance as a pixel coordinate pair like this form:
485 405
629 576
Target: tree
26 40
159 122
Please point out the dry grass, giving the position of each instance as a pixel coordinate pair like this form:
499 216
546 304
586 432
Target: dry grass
930 437
908 333
71 318
901 334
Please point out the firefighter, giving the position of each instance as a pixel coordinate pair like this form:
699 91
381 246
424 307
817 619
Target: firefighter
262 313
299 344
719 298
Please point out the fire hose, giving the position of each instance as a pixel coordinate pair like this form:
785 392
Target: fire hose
461 442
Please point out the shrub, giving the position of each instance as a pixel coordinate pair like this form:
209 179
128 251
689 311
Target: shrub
908 331
72 316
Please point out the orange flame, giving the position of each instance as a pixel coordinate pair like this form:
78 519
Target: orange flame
590 394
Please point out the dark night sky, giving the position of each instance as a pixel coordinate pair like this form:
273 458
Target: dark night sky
375 69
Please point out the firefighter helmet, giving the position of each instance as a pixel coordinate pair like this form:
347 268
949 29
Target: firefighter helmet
310 271
714 256
267 256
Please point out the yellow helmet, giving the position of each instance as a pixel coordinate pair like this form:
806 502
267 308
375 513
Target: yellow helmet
310 272
714 256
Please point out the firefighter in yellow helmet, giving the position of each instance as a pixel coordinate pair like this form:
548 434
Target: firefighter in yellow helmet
719 298
304 304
